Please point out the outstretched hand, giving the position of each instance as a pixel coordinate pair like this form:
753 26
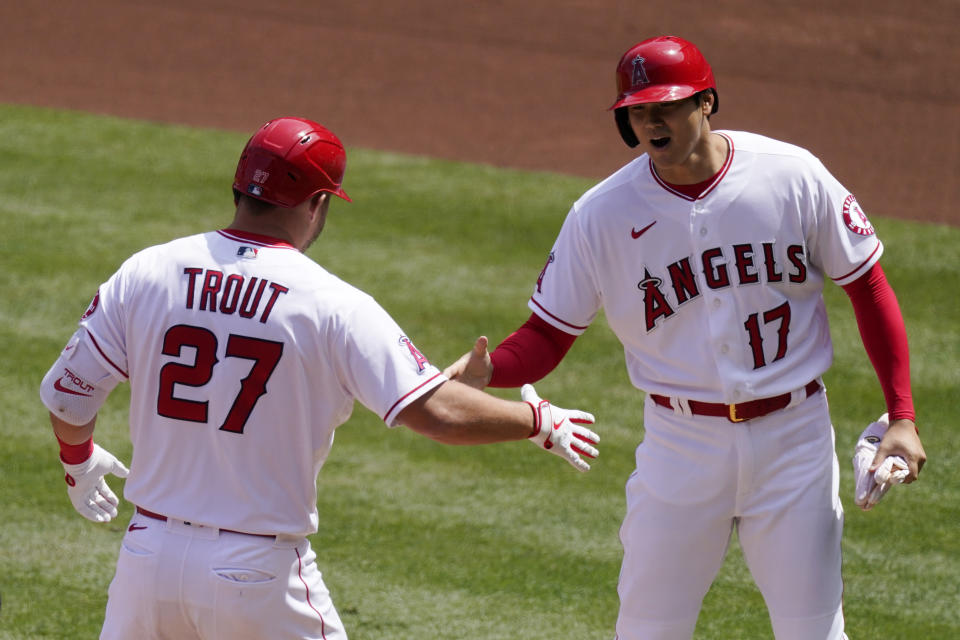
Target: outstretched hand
560 431
474 368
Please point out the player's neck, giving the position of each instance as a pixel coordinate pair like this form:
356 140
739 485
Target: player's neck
291 225
706 159
262 227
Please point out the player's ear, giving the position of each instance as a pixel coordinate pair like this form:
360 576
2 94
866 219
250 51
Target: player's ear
708 101
319 203
705 99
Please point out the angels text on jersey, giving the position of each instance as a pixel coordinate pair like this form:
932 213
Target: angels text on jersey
666 289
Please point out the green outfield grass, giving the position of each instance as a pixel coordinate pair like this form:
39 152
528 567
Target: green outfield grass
417 539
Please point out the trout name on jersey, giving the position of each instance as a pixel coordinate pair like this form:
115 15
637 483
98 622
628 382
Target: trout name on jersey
212 290
749 266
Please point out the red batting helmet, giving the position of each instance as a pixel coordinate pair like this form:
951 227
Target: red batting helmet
289 160
661 69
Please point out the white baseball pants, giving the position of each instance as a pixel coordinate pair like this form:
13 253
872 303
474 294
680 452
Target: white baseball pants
176 580
774 479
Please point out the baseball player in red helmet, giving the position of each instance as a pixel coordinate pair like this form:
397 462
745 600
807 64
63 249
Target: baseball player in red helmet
708 254
243 355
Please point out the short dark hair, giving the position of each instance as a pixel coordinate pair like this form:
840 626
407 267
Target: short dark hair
253 205
699 96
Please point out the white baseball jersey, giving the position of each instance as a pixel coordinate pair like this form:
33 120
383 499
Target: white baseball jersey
717 298
243 356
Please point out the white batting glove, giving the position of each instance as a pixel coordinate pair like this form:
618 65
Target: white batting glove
559 432
870 487
88 491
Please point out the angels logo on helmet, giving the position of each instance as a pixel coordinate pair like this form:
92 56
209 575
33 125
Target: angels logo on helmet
639 73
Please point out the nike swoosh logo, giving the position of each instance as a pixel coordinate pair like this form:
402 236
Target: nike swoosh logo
135 527
636 234
556 425
59 387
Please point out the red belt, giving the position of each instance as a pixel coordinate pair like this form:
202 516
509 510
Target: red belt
163 518
739 412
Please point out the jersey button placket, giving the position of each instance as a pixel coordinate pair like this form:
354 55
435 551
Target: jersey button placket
696 214
718 321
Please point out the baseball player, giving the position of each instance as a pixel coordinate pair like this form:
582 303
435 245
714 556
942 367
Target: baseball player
243 356
708 254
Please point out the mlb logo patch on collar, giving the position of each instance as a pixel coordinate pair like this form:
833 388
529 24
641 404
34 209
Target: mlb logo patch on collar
248 253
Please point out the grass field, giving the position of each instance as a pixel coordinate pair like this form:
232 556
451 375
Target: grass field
419 540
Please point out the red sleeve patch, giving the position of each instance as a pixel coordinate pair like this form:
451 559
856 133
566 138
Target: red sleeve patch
855 219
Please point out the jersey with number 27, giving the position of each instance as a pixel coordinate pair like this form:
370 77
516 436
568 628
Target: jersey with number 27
243 356
716 298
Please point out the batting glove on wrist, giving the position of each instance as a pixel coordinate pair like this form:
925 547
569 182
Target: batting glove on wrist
559 431
871 486
88 491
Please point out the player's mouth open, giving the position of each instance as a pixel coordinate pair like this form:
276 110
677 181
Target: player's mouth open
660 143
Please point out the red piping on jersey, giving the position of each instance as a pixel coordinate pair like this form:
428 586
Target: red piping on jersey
572 326
860 266
718 176
109 361
323 625
406 395
255 238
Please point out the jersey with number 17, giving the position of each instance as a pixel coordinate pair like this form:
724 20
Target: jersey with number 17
243 356
716 298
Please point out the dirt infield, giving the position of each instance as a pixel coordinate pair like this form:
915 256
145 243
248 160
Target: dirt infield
869 86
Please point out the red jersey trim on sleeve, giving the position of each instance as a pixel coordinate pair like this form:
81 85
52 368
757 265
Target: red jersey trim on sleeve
105 358
563 322
860 266
407 395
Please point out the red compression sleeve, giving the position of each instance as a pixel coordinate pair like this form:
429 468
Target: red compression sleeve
529 353
884 338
